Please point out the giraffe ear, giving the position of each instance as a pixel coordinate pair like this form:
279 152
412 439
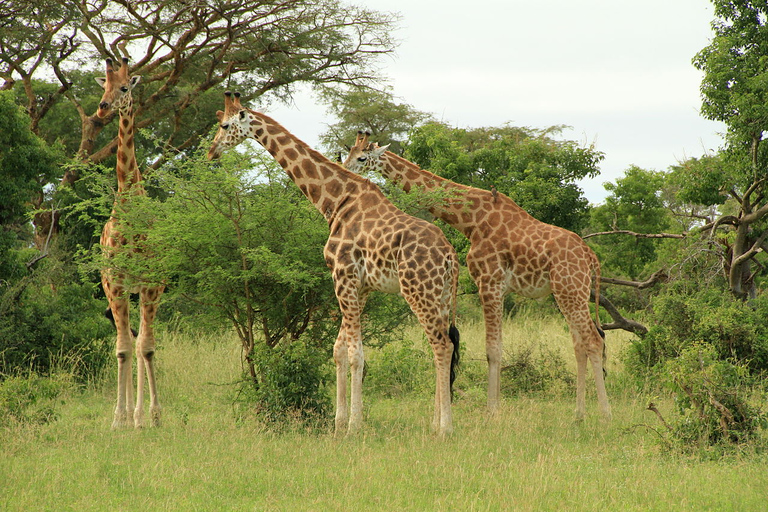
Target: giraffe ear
135 80
379 150
242 115
220 115
101 80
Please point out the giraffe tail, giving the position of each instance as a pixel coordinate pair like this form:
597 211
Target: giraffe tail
600 331
453 331
453 334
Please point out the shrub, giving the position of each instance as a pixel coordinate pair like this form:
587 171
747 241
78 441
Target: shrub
290 383
399 369
534 369
734 329
712 398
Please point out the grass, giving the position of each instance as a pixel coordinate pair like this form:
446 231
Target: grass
531 456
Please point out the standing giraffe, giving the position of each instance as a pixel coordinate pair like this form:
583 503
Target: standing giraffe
510 252
372 246
117 95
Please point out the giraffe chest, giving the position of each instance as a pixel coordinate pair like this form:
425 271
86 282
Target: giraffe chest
363 268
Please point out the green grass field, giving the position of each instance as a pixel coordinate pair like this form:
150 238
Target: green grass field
531 456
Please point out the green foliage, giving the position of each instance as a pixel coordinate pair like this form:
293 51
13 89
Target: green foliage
31 398
529 165
25 161
702 181
399 369
534 369
377 112
735 84
714 399
681 318
634 204
291 382
45 321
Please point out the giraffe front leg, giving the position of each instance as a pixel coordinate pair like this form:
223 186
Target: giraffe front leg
356 363
124 389
145 355
123 352
342 375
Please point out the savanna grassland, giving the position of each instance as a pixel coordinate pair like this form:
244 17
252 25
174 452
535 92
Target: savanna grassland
211 455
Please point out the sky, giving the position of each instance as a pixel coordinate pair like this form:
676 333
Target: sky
617 72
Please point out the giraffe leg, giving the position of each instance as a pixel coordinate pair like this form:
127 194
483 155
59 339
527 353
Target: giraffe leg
588 346
119 305
349 340
145 354
442 421
581 378
356 363
435 324
596 356
342 376
491 297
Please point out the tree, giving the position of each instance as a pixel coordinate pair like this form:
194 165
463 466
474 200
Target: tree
186 52
377 112
530 165
634 204
735 91
25 163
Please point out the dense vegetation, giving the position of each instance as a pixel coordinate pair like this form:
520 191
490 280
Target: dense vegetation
238 247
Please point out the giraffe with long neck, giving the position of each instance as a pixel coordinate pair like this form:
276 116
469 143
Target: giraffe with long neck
510 251
371 246
118 85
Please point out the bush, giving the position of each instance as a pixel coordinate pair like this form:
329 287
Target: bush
47 324
712 398
734 329
290 383
399 369
531 369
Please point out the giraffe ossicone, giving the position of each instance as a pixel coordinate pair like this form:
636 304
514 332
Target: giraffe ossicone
118 85
510 251
372 246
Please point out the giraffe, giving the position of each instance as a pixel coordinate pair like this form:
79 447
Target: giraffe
510 251
372 246
117 96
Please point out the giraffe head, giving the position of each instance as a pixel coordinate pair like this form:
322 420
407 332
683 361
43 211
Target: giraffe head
363 154
234 125
117 87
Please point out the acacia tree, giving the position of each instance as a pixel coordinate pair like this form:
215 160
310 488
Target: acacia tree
378 112
735 91
184 50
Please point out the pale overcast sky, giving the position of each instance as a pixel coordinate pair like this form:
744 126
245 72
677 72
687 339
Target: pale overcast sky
618 72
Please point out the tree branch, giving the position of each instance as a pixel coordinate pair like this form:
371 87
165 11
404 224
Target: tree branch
636 235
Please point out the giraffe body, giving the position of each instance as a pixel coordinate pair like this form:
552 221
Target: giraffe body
510 252
117 96
372 246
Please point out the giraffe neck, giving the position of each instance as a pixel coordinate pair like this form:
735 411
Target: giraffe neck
329 186
464 206
127 169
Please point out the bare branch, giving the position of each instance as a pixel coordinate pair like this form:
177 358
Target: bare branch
636 235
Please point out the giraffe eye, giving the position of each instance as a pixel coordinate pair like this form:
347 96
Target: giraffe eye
362 158
124 89
225 126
